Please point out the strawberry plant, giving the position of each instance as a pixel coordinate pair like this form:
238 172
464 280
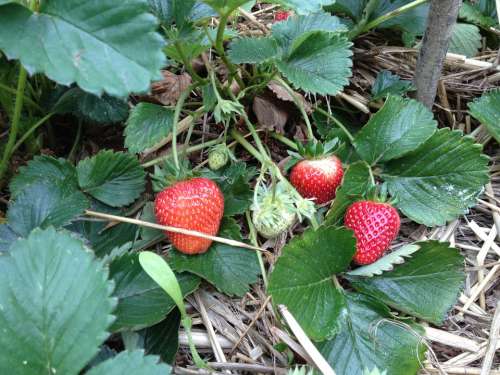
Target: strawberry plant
112 218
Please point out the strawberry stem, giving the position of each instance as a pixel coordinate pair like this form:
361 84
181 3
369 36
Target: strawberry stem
299 105
253 239
337 122
284 140
247 146
177 113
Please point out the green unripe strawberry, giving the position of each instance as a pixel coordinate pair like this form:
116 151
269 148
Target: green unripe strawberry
218 157
273 212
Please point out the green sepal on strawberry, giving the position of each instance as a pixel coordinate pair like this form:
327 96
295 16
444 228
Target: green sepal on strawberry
187 202
317 171
375 224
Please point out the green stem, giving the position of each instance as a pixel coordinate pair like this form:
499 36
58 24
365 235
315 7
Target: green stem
14 128
187 324
314 222
187 64
253 239
30 131
284 140
337 122
177 114
219 47
238 137
27 99
299 105
396 12
72 153
188 150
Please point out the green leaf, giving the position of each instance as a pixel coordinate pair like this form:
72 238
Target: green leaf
350 8
141 301
180 12
234 181
440 180
43 168
131 363
159 270
147 125
369 338
224 6
399 127
163 338
302 279
55 305
296 27
355 184
253 50
412 21
148 214
472 13
7 237
387 84
102 238
486 109
114 178
386 263
435 267
43 204
319 63
305 7
465 40
88 107
100 45
230 269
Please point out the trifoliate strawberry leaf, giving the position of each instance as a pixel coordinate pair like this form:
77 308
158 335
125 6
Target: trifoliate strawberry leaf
100 45
355 184
7 237
303 281
131 362
368 337
304 7
486 109
45 203
230 269
141 301
88 107
473 14
114 178
435 267
253 50
163 338
387 84
43 168
465 40
399 127
55 305
440 180
386 263
225 6
318 63
147 125
352 9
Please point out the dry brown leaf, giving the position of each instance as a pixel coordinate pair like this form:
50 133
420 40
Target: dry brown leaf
168 90
269 114
282 94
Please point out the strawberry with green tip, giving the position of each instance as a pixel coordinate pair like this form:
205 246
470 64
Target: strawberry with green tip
375 226
195 204
318 174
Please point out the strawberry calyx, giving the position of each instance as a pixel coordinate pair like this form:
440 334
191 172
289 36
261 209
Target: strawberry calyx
313 150
168 173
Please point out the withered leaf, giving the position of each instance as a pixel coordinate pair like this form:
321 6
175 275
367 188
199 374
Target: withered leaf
270 114
169 89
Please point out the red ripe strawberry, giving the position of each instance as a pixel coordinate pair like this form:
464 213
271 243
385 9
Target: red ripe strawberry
375 226
317 178
281 15
195 204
